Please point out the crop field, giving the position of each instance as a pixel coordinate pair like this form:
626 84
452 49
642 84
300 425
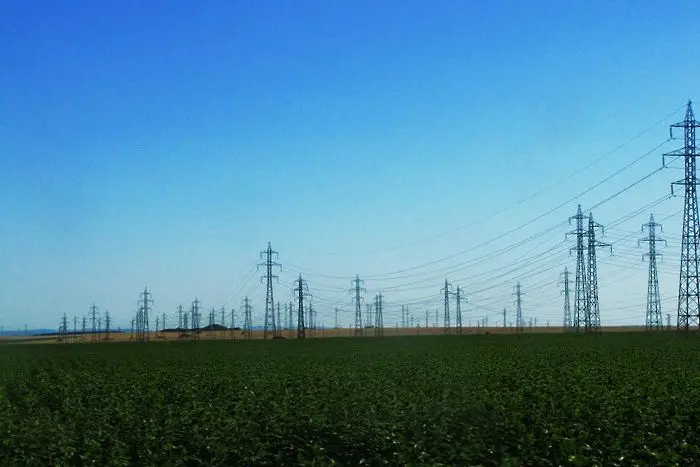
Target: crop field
612 399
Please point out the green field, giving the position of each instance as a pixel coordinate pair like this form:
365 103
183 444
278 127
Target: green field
613 399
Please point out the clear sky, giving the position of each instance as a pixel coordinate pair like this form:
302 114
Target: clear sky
163 144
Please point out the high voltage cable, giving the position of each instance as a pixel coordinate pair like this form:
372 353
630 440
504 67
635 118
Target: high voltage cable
531 221
535 263
523 200
464 265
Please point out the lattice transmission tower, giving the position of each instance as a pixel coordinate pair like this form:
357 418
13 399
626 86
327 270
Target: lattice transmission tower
278 328
301 292
247 318
93 317
142 327
108 324
194 320
689 282
378 315
654 318
180 325
357 290
458 309
567 324
447 293
63 328
593 305
519 321
581 286
269 300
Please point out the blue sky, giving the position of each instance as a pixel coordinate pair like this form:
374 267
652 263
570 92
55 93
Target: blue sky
164 144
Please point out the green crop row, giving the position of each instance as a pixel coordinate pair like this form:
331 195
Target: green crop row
612 399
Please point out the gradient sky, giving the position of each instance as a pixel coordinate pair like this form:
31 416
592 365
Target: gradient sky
163 144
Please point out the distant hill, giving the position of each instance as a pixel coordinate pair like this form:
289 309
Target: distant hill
215 327
30 332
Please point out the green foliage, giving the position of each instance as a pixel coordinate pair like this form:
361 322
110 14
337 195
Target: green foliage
614 399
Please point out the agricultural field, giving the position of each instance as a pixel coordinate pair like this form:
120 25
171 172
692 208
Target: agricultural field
612 399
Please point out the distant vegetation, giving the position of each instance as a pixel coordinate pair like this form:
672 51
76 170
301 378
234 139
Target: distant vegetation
613 399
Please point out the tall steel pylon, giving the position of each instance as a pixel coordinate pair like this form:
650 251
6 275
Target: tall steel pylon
654 319
311 322
519 321
378 315
458 310
301 292
689 282
581 286
593 309
108 323
567 301
194 321
278 328
145 307
247 318
358 304
447 292
93 318
269 300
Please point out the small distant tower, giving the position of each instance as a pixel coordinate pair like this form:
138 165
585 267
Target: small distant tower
567 302
593 310
358 304
447 292
519 321
269 300
194 320
459 298
654 320
248 319
93 314
378 316
145 307
302 292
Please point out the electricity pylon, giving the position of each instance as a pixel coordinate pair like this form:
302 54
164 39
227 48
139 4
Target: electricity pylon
519 321
247 319
278 327
311 323
593 310
63 328
447 292
581 286
689 282
654 320
302 291
458 311
378 316
180 327
358 304
269 300
145 307
93 316
194 321
567 301
108 323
